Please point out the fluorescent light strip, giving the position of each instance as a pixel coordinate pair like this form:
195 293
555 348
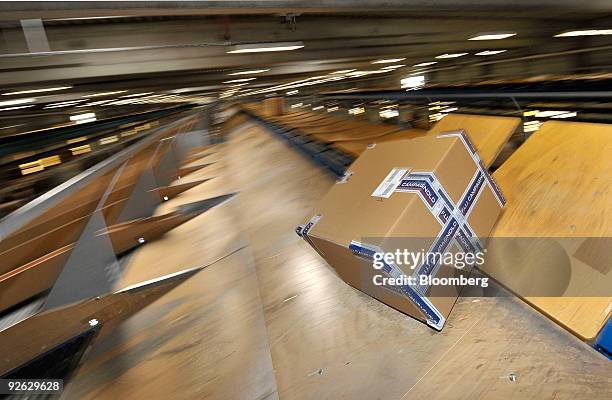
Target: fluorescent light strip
136 95
253 71
106 93
493 36
63 104
566 115
586 32
490 52
96 103
16 102
265 47
413 82
302 82
394 66
388 60
451 55
79 117
240 80
16 108
344 71
425 64
51 89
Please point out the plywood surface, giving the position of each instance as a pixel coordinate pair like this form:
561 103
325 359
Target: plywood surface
356 147
274 321
558 185
488 133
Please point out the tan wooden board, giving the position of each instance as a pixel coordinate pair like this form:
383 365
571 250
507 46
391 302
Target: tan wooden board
558 184
274 321
355 134
488 133
356 147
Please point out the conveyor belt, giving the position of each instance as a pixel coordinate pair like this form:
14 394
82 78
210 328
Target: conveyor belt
273 320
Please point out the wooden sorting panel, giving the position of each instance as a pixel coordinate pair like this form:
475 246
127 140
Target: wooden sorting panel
488 133
558 184
274 321
356 147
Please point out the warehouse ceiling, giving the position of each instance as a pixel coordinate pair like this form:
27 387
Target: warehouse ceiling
108 56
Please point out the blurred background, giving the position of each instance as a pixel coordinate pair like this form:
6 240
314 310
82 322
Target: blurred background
80 79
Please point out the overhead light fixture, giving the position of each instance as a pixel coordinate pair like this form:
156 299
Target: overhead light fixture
51 89
80 117
356 110
64 104
292 92
555 114
16 108
344 71
413 82
451 55
490 52
96 103
586 32
493 36
240 80
16 102
566 115
253 71
388 60
425 64
388 114
265 47
136 95
394 66
106 93
317 108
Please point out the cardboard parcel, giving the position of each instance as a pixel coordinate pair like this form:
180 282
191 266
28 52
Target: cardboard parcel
429 195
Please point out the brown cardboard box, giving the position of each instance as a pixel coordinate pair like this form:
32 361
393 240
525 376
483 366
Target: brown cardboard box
425 194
